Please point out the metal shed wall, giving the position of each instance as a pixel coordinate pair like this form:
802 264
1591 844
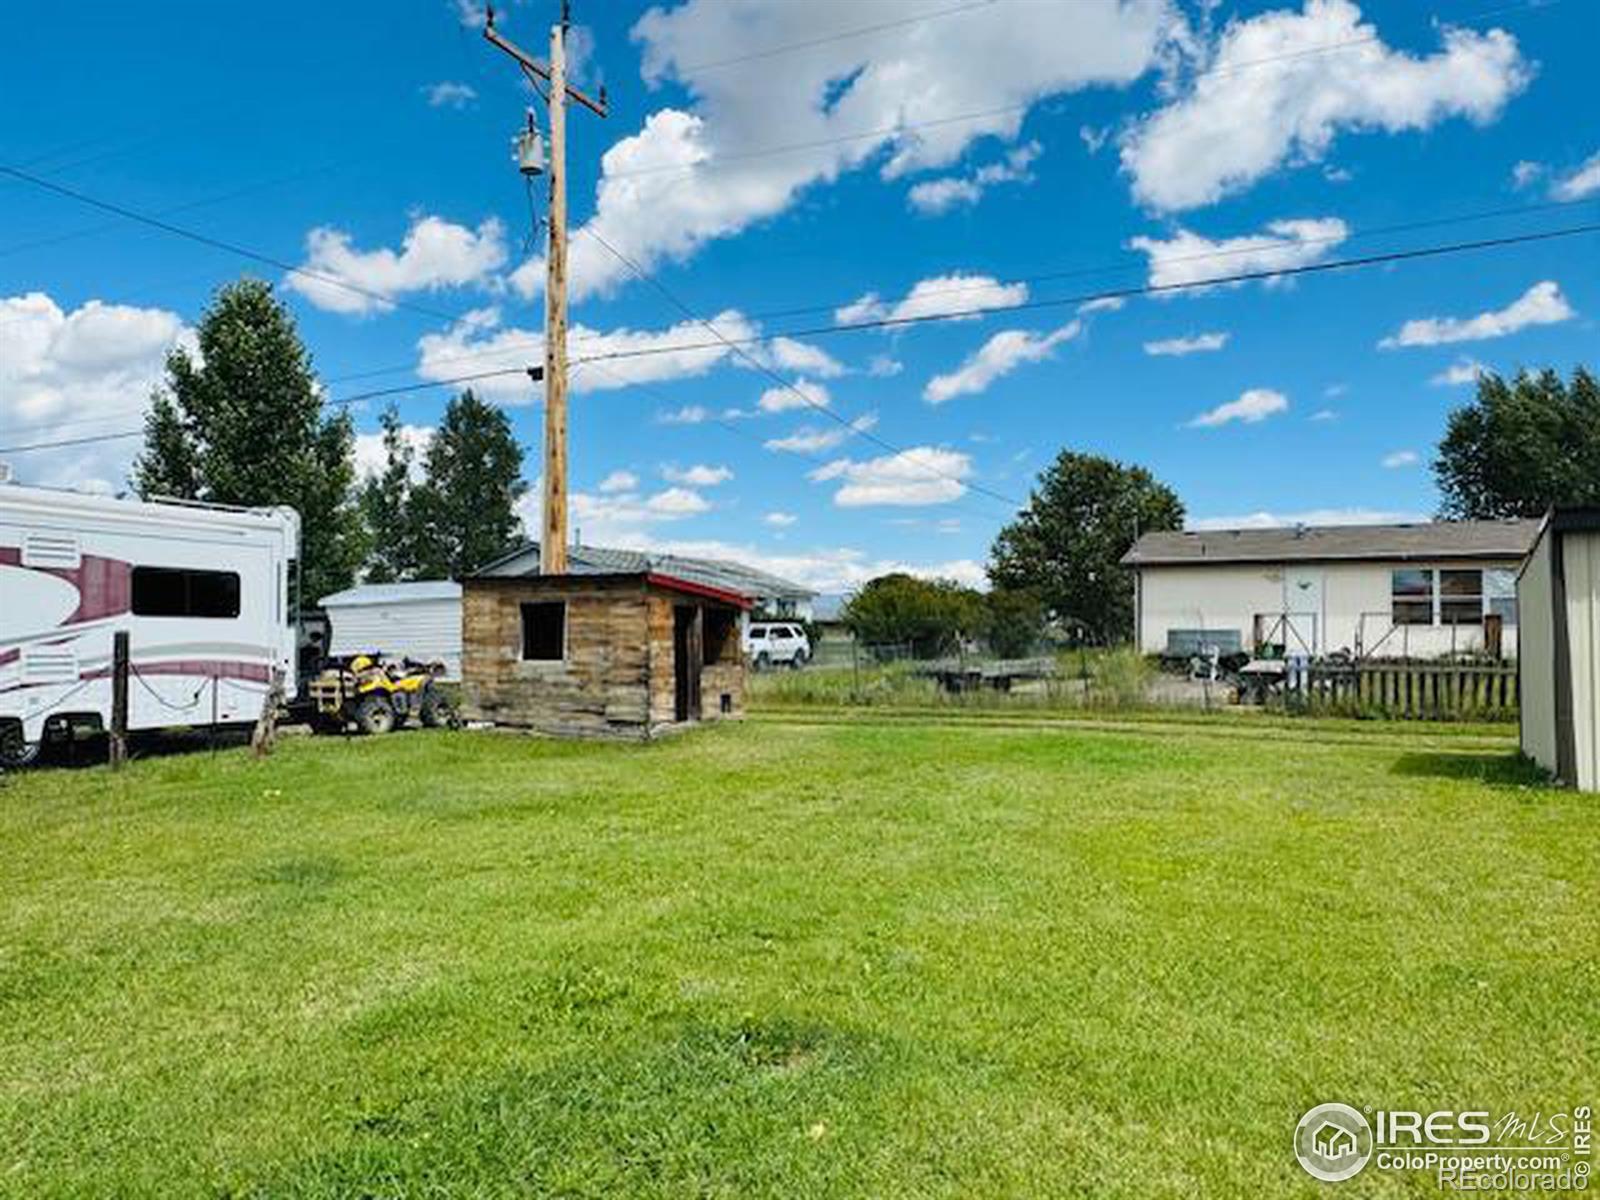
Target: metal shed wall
1536 663
1580 552
424 629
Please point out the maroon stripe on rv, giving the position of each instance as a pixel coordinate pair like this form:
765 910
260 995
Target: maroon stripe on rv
209 668
105 585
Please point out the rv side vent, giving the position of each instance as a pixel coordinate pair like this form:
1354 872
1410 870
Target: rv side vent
51 550
49 664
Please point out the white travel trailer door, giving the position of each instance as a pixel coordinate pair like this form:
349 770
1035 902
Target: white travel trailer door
1303 611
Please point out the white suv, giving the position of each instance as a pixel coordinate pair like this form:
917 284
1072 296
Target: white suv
769 643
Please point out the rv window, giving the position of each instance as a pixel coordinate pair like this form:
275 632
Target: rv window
544 631
174 592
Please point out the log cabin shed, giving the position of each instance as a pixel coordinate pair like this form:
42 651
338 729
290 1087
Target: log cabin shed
1558 594
624 644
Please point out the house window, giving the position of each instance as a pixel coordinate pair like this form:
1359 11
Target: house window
1411 596
544 631
1500 594
174 592
1460 597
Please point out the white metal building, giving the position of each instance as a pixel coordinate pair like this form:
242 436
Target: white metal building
1558 592
1392 591
420 620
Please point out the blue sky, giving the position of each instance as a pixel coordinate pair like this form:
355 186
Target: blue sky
785 167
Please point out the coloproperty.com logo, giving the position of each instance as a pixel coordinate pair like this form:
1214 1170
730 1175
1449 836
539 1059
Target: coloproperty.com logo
1476 1150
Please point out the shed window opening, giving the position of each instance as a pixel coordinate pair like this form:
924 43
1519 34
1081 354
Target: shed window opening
177 592
544 631
1411 596
718 635
1460 597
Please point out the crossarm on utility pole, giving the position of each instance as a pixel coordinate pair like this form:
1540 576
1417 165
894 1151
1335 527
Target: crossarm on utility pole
529 63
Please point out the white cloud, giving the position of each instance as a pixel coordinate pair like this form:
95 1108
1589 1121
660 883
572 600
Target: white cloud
79 374
1459 373
371 457
1000 355
757 133
791 355
810 439
1252 406
942 295
619 481
1401 458
689 414
612 518
435 254
1188 258
1271 93
884 367
780 520
1581 183
802 393
449 94
918 476
1103 304
1323 414
1526 173
699 475
1200 343
934 196
1312 517
479 343
1542 304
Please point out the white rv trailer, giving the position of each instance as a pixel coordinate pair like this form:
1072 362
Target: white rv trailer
204 592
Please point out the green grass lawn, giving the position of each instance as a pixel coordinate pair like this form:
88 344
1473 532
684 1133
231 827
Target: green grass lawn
875 959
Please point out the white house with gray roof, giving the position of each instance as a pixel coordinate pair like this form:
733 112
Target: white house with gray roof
1417 590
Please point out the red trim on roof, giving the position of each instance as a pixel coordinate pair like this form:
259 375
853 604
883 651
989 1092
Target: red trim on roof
673 583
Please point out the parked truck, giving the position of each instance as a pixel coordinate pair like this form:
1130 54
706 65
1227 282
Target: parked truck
206 593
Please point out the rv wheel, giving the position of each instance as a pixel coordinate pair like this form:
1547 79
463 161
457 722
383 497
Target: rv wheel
375 715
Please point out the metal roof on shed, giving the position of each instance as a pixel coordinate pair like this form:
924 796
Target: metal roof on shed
1420 540
394 593
707 572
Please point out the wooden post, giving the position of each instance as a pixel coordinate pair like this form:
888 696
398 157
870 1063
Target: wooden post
553 546
119 699
266 730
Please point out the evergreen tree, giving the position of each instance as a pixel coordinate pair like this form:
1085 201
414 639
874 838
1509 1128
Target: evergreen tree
464 513
387 508
244 424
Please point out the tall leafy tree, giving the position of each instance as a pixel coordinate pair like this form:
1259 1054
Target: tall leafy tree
928 615
243 423
464 512
388 509
1065 546
1519 447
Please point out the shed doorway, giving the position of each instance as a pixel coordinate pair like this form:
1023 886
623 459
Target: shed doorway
687 653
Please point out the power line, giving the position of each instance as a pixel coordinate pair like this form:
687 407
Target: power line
855 429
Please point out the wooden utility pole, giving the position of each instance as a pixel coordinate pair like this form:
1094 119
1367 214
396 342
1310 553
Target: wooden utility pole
555 89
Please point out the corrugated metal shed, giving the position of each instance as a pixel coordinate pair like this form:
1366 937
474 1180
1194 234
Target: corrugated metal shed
1558 600
1326 543
419 620
708 572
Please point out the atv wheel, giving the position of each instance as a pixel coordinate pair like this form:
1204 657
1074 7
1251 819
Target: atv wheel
375 715
434 710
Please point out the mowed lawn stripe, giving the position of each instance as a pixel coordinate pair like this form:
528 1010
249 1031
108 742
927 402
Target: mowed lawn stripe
862 959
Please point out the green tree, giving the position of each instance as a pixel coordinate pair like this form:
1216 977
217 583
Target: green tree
387 507
929 615
243 423
1013 621
1066 545
464 512
1519 447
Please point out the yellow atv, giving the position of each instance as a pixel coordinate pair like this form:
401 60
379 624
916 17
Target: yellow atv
375 696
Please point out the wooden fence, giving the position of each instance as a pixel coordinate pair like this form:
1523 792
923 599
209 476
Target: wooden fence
1410 689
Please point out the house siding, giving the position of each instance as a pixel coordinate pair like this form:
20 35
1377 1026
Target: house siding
1354 608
